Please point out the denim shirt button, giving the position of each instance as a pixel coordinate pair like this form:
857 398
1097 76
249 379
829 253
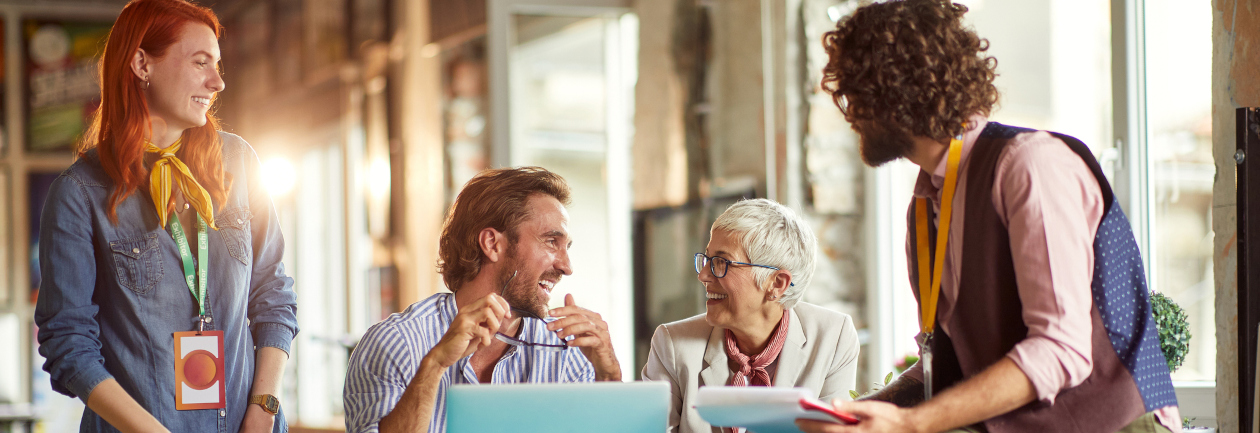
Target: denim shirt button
135 251
222 412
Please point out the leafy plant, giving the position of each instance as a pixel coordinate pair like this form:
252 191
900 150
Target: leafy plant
902 365
1185 422
1174 329
874 387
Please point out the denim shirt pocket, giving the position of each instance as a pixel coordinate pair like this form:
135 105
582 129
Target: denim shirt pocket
137 263
233 227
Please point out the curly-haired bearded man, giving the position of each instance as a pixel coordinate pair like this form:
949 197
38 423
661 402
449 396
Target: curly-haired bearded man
1033 301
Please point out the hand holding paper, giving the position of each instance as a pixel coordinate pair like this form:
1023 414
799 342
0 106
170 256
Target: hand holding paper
764 410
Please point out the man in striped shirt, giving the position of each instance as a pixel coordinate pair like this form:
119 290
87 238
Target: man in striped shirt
503 248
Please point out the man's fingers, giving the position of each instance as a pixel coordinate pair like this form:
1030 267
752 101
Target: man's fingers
862 409
487 336
587 341
568 310
582 328
500 305
567 321
492 319
568 300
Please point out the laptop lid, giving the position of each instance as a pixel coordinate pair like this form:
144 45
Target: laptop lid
612 407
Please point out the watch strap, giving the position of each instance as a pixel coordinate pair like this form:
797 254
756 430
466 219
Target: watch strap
268 402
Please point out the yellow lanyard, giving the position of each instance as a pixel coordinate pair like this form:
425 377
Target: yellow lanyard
930 282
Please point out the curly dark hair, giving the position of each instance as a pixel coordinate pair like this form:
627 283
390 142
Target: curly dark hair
496 199
909 65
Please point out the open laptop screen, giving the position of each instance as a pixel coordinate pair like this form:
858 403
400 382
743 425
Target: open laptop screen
611 407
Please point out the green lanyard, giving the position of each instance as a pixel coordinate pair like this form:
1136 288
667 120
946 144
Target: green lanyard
195 277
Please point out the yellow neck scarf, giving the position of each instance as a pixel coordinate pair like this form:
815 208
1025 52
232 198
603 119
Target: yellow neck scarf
161 178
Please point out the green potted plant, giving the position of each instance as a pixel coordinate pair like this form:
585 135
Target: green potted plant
1174 340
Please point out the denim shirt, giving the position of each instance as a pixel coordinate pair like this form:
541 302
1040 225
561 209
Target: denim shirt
113 295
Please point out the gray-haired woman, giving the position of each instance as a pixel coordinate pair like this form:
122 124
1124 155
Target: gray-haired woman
755 331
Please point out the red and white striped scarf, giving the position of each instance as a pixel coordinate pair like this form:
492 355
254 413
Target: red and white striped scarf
755 367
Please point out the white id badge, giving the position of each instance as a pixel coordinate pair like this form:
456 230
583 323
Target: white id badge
199 370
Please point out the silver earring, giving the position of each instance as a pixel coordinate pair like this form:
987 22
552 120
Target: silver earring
146 83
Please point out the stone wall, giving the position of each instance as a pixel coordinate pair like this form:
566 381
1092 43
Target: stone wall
1235 83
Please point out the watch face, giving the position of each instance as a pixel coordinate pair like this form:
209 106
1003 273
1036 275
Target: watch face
269 403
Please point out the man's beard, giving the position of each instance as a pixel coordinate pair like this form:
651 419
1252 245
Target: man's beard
880 144
522 293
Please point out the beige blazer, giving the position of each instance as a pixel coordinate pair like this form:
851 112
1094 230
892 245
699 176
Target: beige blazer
821 354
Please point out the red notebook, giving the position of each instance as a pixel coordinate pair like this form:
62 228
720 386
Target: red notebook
815 405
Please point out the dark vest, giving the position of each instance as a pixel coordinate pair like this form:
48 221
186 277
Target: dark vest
1130 375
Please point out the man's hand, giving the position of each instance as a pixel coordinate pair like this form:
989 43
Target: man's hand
996 390
874 416
590 334
473 328
257 420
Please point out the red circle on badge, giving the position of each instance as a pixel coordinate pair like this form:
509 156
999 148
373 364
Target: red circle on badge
200 369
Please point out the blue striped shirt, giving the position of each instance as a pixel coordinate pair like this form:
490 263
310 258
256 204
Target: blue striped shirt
390 352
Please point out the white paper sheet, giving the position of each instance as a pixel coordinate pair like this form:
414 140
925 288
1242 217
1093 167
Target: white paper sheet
759 409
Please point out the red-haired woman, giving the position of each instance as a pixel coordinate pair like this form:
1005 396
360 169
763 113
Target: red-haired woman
164 305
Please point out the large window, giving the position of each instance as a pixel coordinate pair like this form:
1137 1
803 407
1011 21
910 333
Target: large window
1178 44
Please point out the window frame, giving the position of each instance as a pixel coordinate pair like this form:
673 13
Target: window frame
1132 167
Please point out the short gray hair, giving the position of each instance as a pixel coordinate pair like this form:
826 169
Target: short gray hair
772 234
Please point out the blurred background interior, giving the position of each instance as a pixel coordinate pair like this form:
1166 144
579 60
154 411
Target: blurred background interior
370 114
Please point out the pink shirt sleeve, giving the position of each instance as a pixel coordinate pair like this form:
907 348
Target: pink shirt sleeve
1051 205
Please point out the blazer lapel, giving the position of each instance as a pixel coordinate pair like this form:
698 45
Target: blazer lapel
793 356
716 371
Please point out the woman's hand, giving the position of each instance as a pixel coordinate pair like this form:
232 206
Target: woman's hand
112 403
257 420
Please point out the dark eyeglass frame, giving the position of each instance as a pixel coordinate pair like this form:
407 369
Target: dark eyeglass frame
526 315
702 259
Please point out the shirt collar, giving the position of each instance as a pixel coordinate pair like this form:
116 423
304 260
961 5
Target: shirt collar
929 185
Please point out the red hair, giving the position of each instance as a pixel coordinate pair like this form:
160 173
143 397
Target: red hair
119 127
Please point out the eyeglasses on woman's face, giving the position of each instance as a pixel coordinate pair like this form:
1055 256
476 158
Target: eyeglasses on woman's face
718 265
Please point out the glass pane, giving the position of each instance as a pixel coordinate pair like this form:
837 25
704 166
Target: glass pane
11 357
61 78
4 137
567 94
1179 132
6 276
465 109
320 263
557 92
1054 64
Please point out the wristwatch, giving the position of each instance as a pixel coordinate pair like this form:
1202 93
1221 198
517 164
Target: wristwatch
268 402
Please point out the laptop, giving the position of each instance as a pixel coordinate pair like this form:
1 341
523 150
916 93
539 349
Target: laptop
612 407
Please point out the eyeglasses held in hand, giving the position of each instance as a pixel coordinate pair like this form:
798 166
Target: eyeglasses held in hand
524 315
